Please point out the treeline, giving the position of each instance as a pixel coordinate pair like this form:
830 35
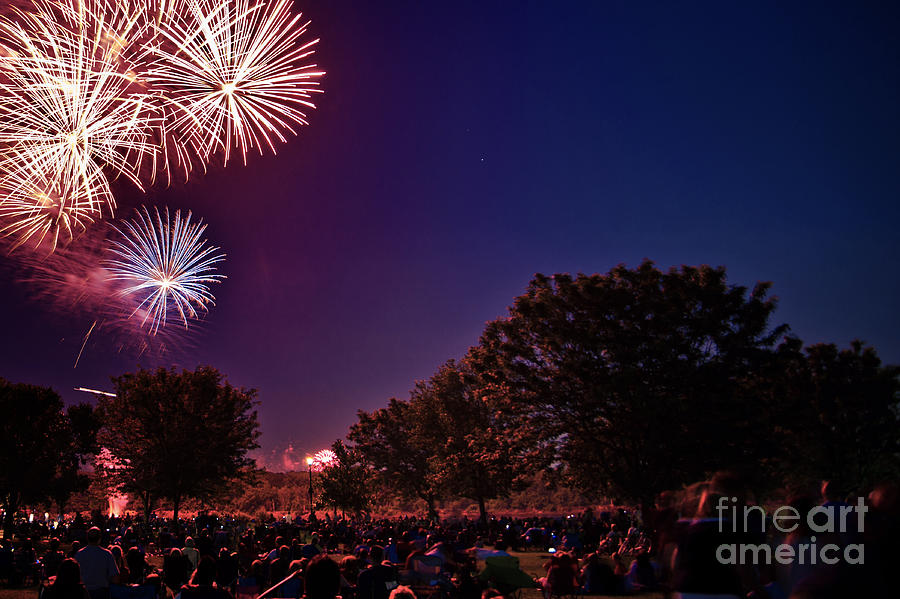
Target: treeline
625 385
281 494
620 386
164 438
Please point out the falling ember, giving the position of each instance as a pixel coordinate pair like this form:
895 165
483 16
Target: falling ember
95 391
86 337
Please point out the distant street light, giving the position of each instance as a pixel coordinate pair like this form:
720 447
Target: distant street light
309 463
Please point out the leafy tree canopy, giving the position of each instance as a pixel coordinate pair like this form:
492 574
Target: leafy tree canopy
42 446
179 434
629 382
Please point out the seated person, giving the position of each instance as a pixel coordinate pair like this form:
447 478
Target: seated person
641 575
597 577
68 583
203 582
323 578
376 581
561 578
53 558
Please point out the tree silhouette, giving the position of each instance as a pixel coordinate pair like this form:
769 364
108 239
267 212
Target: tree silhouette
397 449
472 454
42 447
631 382
344 481
179 435
843 417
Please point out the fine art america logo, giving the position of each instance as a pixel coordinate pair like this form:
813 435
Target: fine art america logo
840 522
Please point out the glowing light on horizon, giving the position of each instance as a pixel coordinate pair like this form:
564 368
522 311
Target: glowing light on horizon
165 265
106 463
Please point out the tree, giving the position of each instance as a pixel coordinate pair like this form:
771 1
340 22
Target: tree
179 435
41 447
842 417
471 451
631 382
397 450
83 424
343 481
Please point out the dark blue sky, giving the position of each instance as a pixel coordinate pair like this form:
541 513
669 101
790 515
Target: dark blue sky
462 147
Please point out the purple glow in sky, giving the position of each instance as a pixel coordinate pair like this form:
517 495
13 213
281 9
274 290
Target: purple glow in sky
458 150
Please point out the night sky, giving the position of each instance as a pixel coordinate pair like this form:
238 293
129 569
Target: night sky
461 147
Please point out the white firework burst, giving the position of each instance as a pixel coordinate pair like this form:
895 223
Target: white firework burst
68 105
233 74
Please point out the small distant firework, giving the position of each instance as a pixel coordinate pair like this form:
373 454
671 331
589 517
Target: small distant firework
233 74
322 459
165 265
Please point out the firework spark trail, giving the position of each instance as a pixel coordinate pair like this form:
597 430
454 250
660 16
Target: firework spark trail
234 74
72 281
133 88
165 264
128 29
86 337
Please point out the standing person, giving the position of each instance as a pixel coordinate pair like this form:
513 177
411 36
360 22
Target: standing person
175 569
98 566
191 553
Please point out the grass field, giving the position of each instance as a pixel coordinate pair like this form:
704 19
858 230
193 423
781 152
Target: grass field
531 562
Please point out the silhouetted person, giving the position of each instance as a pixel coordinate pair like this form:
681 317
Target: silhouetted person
98 567
138 568
176 569
372 582
53 558
323 578
68 583
202 585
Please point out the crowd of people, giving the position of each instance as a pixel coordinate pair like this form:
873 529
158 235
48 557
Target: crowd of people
674 547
